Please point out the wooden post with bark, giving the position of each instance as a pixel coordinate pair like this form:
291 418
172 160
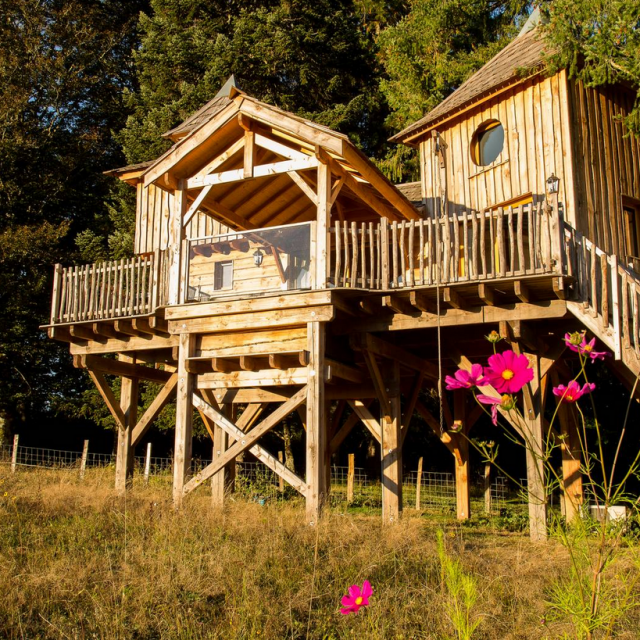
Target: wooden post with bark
351 476
147 465
83 459
391 447
184 418
14 453
129 407
419 483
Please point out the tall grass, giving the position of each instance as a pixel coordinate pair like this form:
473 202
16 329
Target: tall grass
76 562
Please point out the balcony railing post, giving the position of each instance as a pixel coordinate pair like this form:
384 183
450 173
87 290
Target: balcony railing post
55 298
155 276
384 244
556 233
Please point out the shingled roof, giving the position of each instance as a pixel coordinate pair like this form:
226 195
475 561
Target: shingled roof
524 52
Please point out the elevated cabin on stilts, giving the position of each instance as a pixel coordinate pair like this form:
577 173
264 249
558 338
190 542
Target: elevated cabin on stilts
275 264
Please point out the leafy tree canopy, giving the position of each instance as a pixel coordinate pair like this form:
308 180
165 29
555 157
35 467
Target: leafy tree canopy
598 42
313 59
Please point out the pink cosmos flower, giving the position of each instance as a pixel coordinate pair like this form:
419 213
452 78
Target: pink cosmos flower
577 342
572 392
508 372
465 379
357 598
505 401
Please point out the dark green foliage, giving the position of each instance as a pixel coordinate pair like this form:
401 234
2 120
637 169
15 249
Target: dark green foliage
309 58
63 66
599 42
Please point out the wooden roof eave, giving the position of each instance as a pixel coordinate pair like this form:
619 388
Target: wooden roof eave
183 147
413 138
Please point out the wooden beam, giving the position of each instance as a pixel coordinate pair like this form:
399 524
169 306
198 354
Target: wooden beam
124 452
109 398
121 368
420 301
378 382
340 435
386 349
304 187
363 413
486 294
463 499
228 216
336 369
259 171
398 304
521 290
249 154
195 205
246 441
453 298
221 159
316 449
184 417
278 148
259 452
154 409
391 449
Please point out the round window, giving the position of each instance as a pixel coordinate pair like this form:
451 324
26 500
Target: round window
487 143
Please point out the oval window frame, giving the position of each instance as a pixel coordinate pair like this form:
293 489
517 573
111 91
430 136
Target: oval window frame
487 125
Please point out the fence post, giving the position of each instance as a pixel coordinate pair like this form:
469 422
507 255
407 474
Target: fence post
351 476
487 487
419 483
147 464
83 460
280 479
14 453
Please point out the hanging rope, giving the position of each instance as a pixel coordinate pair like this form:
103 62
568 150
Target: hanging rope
439 360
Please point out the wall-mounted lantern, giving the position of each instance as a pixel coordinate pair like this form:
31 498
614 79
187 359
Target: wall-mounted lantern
553 183
258 256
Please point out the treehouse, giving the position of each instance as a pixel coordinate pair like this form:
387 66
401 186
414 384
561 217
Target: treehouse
276 268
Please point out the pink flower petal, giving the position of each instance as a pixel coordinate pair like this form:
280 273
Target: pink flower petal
354 591
347 601
366 589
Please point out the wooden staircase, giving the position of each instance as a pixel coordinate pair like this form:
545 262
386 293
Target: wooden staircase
606 298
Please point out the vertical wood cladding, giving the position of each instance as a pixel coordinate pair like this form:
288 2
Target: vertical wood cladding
152 220
552 125
536 123
607 161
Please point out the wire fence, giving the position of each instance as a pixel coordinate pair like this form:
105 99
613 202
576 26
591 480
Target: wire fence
436 491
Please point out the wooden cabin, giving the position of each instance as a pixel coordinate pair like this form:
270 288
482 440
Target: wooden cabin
275 265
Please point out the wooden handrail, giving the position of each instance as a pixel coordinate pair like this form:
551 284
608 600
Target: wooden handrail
465 246
118 288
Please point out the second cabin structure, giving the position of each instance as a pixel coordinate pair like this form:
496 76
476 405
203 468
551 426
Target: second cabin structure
277 268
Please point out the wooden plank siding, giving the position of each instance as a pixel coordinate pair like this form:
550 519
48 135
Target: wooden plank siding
152 221
535 118
607 162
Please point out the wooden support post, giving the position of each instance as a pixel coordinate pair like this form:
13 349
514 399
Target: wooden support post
351 477
14 453
419 482
147 465
323 221
223 481
83 460
487 487
463 501
184 418
316 427
534 445
571 458
391 449
129 407
176 236
280 478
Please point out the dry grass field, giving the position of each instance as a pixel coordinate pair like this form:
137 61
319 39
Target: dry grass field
76 562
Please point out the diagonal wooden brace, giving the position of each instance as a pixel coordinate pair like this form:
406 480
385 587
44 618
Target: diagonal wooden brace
367 419
110 400
247 441
154 409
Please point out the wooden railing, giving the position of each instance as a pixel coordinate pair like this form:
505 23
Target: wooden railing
119 288
607 295
523 240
